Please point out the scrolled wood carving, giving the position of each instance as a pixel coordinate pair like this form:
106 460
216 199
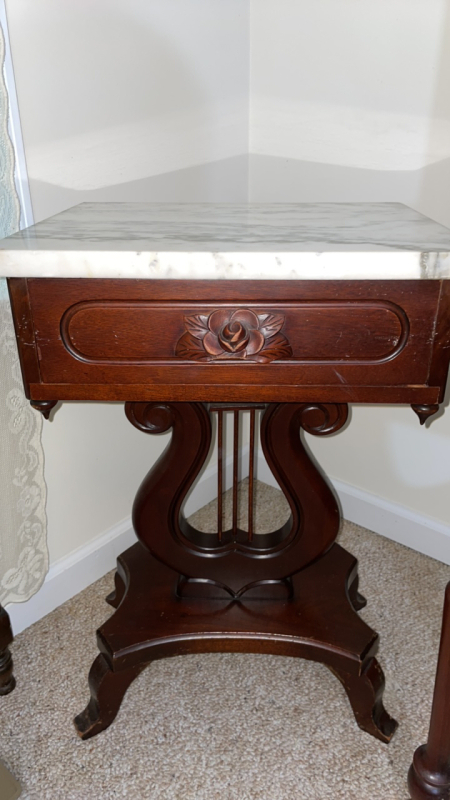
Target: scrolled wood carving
234 334
150 417
321 419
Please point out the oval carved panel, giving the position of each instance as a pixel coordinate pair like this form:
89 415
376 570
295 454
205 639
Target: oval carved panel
141 332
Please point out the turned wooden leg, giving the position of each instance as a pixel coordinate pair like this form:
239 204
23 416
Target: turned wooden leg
429 774
7 680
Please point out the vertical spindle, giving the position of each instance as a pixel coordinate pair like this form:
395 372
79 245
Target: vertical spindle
251 467
235 469
219 474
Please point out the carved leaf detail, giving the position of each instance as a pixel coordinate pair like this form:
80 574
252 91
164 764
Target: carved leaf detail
197 324
270 324
276 348
189 346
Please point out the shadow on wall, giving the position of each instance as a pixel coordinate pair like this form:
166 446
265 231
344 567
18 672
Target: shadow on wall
276 179
224 181
434 191
107 68
129 94
115 80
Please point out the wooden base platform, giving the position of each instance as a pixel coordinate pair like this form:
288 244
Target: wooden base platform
320 622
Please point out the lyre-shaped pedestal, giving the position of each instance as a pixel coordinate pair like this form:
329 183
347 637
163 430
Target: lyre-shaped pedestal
290 592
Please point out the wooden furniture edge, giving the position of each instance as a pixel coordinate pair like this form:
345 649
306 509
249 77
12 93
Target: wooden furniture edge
212 393
25 335
440 359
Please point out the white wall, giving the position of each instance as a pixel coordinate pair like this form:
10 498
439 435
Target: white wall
143 100
149 99
114 92
349 101
349 83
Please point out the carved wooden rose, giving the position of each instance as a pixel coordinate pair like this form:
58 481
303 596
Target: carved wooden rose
239 333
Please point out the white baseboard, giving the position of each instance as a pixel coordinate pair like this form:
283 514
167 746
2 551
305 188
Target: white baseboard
73 573
420 533
79 569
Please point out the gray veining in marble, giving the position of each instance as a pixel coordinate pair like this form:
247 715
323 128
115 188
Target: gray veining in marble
231 241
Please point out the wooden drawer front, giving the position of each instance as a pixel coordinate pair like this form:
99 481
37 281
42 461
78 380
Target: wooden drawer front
260 334
142 333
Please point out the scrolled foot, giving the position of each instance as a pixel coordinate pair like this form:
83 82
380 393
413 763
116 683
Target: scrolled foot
107 692
365 693
357 600
115 598
424 784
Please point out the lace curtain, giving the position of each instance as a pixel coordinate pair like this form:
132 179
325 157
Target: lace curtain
23 547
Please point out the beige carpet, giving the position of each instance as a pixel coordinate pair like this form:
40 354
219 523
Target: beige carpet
225 726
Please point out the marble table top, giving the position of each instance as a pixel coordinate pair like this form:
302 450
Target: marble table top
231 241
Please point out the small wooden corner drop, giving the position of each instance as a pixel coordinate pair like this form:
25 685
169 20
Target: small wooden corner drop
182 351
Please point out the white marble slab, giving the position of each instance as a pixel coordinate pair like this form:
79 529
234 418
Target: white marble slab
231 241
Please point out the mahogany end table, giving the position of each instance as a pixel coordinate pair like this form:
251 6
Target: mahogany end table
186 311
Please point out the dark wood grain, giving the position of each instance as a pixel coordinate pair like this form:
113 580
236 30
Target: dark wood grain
233 392
7 680
429 774
353 341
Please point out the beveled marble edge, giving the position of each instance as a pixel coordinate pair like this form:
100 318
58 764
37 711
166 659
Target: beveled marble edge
228 266
179 241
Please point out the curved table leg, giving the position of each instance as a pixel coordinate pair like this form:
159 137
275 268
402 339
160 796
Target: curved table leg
365 692
107 692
